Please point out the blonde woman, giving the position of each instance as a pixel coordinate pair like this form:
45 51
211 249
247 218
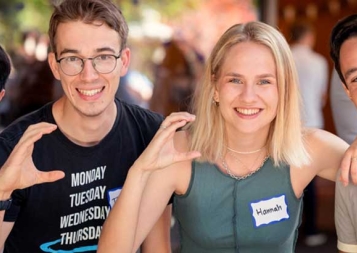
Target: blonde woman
239 171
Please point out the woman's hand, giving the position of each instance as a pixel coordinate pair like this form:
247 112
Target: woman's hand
161 151
19 171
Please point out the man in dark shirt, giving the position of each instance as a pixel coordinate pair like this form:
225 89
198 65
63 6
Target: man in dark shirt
91 136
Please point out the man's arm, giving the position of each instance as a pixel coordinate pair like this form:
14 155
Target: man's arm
158 240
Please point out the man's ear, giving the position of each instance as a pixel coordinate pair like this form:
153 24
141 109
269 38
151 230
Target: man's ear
54 65
2 94
125 59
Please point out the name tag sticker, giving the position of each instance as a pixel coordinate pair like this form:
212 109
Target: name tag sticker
269 211
113 196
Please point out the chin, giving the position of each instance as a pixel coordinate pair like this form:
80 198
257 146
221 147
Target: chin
91 112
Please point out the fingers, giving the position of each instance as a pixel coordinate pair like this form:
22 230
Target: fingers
187 156
35 132
168 129
162 152
176 117
167 132
354 169
345 169
51 176
348 167
24 147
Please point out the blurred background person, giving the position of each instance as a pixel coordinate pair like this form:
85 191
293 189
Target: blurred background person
312 69
175 77
135 88
33 84
5 69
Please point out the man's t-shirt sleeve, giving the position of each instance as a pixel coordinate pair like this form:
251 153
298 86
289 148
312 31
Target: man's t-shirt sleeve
346 216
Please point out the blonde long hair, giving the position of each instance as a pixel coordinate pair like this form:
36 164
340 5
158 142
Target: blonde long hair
285 139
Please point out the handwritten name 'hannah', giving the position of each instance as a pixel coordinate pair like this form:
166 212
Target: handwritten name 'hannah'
261 211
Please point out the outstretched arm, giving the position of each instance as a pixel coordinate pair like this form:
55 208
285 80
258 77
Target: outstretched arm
126 226
19 171
326 151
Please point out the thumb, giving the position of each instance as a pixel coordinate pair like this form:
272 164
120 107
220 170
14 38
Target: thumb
188 156
47 177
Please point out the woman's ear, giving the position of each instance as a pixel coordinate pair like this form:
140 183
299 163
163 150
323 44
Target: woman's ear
216 96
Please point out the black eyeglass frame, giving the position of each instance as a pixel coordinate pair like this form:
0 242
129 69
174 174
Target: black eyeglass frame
91 59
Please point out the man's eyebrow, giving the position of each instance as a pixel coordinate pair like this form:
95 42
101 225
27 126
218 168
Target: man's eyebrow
104 49
68 51
74 51
350 72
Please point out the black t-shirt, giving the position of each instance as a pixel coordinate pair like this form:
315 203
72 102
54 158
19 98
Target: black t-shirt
68 214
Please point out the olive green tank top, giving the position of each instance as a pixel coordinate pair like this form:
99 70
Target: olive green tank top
219 214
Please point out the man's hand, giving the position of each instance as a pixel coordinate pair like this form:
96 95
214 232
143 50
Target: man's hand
349 164
19 171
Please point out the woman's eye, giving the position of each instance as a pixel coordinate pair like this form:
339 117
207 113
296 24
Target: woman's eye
235 80
264 82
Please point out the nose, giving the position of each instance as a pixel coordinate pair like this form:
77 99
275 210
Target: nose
248 93
89 73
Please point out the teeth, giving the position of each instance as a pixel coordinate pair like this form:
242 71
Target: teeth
89 92
247 111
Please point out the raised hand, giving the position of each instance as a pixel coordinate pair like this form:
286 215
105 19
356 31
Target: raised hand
349 165
161 151
19 171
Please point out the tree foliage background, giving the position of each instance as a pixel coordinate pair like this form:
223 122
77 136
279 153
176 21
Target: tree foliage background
21 15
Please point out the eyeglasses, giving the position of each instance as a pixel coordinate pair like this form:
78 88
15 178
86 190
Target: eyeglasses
73 65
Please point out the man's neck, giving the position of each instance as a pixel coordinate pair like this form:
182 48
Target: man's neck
80 129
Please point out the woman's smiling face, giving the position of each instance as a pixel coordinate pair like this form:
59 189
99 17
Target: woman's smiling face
246 88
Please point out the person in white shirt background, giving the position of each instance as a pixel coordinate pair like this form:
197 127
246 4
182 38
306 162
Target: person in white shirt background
312 69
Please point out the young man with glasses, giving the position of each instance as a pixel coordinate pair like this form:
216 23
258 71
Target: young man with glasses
96 140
